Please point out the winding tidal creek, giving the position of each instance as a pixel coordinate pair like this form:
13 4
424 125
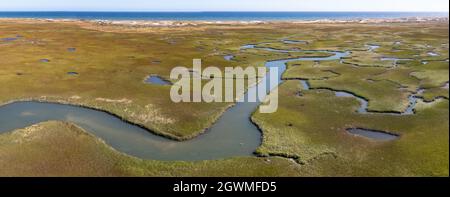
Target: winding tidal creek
232 135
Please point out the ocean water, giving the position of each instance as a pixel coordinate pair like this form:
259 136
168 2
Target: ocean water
218 16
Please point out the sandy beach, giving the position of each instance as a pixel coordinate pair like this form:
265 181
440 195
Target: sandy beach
184 23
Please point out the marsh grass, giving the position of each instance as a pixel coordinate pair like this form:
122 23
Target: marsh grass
63 149
312 128
113 61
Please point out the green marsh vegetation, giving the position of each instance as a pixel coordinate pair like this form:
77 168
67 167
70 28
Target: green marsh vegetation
112 68
63 149
309 128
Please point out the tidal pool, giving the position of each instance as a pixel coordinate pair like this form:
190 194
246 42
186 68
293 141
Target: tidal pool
8 39
373 134
433 54
295 42
373 47
394 59
248 46
305 84
72 73
154 79
228 57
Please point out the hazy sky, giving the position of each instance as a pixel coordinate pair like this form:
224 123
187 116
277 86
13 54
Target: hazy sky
224 5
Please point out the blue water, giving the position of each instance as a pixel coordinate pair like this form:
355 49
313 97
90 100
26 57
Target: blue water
153 79
232 135
222 16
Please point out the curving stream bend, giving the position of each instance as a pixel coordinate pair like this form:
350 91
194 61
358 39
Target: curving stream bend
232 135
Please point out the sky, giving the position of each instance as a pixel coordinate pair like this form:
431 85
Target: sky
225 5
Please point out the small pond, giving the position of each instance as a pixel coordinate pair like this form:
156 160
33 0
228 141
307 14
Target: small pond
154 79
373 134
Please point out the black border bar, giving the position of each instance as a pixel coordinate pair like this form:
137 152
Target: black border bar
152 186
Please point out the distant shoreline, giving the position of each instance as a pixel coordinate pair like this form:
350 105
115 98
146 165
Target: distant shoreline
220 16
185 23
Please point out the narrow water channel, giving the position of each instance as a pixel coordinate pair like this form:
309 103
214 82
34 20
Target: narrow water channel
232 135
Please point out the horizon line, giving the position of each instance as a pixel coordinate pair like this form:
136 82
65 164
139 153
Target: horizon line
194 11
